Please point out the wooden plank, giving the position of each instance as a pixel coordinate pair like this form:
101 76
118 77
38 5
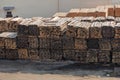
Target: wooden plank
68 43
10 43
108 32
56 32
82 32
33 41
11 54
95 32
105 44
104 56
45 31
56 43
115 43
80 56
80 44
33 30
92 56
22 30
23 54
44 43
56 54
22 42
44 54
12 26
70 32
33 54
69 54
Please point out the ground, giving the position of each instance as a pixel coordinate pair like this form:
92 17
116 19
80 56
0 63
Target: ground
29 70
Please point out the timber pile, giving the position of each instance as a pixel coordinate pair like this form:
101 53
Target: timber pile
83 39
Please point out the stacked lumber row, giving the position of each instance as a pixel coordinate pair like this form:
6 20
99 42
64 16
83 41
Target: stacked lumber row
42 40
9 24
99 11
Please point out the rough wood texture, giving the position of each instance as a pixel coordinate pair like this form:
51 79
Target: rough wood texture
104 56
56 32
116 56
68 43
107 32
80 56
80 44
2 53
22 30
56 43
105 44
33 41
33 30
10 43
69 54
92 56
44 54
95 30
115 43
70 32
33 54
82 32
45 31
44 43
11 54
2 42
22 42
3 25
12 26
56 54
23 54
117 32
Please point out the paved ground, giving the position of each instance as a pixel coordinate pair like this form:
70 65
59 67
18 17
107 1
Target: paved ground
26 70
